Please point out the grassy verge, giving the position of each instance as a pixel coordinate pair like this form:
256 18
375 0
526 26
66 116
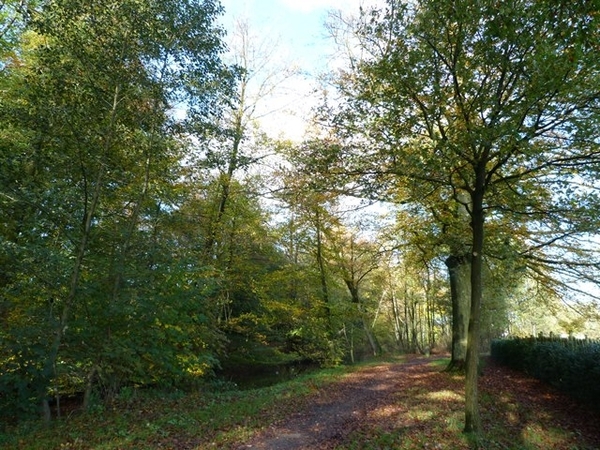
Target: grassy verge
149 420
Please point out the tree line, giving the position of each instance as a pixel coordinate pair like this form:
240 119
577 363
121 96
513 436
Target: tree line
144 241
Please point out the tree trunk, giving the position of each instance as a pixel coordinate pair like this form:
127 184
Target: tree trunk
397 320
322 273
50 363
225 191
373 342
89 386
46 411
430 313
472 418
88 216
459 271
350 342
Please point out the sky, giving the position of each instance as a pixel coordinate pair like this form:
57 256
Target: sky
299 24
297 29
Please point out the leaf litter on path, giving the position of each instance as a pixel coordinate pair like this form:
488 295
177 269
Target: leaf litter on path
417 405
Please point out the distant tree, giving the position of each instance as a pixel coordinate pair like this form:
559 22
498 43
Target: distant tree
237 142
354 260
310 216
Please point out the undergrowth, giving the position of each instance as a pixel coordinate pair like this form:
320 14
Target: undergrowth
142 419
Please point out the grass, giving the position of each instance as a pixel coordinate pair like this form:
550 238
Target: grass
142 420
427 413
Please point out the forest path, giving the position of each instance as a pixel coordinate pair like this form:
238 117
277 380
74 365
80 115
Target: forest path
416 405
335 413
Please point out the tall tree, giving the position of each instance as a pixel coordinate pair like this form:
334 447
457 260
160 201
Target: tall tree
238 142
494 102
90 146
310 218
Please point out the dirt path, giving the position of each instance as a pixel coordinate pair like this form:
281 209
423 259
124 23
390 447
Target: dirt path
416 402
336 413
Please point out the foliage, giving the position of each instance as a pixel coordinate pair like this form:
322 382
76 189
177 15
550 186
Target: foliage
90 294
569 364
137 247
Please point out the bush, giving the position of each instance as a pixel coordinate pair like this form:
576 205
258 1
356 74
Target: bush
571 365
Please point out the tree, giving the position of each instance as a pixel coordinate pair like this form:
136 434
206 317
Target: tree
310 216
238 143
492 106
440 229
417 287
354 259
88 149
13 15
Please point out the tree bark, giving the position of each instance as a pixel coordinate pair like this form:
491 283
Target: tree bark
89 386
472 418
322 273
459 271
397 320
373 342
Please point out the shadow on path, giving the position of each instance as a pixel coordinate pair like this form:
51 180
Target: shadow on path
335 415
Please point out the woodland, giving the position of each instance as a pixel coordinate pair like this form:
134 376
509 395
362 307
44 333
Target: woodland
153 234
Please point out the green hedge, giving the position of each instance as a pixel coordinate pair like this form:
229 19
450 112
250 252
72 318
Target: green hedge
571 365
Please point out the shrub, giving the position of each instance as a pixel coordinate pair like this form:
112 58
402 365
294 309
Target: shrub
571 365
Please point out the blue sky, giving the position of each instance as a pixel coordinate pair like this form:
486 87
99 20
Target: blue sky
297 30
298 24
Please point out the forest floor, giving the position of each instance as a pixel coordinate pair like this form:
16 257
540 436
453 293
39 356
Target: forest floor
416 404
399 405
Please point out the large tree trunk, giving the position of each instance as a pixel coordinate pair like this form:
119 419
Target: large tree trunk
459 271
373 342
472 418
